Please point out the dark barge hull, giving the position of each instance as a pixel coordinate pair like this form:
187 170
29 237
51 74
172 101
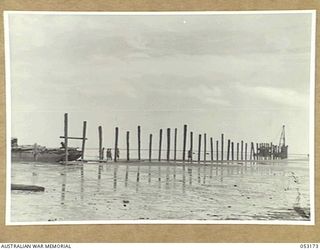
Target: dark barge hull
46 155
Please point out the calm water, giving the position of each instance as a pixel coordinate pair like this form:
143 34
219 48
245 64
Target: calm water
120 192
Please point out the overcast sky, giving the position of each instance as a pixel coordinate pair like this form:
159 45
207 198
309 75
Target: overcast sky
242 75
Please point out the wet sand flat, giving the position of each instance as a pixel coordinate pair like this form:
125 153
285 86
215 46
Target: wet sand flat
270 192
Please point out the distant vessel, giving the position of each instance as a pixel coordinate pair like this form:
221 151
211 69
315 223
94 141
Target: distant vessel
39 153
271 151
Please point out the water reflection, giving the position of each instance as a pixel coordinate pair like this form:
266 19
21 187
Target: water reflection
159 177
177 177
63 174
211 172
115 177
167 177
183 178
190 175
149 174
81 182
174 176
138 179
204 174
126 176
99 172
100 168
221 173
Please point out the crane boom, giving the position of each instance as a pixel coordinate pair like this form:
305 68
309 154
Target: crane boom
282 141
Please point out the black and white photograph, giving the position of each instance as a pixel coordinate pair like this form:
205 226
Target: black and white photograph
160 117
